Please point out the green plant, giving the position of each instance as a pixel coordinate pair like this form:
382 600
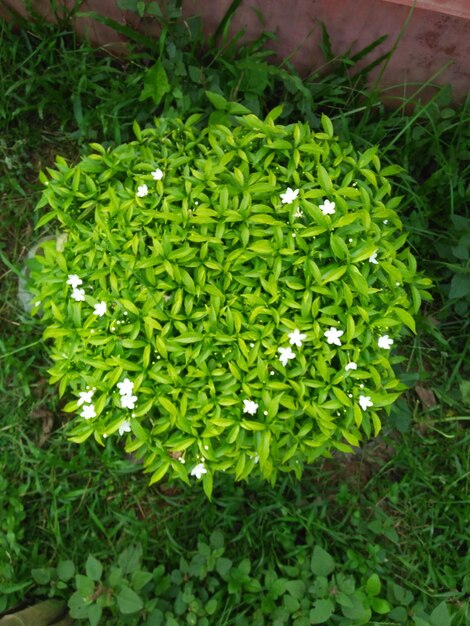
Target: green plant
207 588
189 271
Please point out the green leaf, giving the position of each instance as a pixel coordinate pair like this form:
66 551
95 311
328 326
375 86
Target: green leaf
140 579
160 472
94 613
373 585
391 170
324 179
406 318
128 601
207 482
327 125
261 247
156 83
333 274
379 605
459 286
296 588
78 607
65 570
465 391
211 606
42 575
218 101
223 566
321 564
357 611
94 569
189 338
321 612
85 586
129 559
441 615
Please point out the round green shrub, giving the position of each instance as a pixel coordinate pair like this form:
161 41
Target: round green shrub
225 297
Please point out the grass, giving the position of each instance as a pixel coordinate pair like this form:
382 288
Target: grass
401 505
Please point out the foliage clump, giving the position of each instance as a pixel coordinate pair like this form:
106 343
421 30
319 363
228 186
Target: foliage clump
225 296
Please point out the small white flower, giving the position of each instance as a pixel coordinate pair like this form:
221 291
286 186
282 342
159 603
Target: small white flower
74 281
142 191
100 308
328 208
126 387
286 355
299 213
289 196
365 402
199 470
385 342
78 295
125 427
84 397
296 338
88 411
157 174
256 458
373 258
333 334
350 366
385 222
250 407
128 402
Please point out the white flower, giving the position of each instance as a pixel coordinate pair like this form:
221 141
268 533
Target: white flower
365 402
296 338
128 402
88 411
125 427
100 308
333 334
74 281
286 355
350 366
142 191
126 387
250 407
373 258
78 295
199 470
298 213
289 196
385 342
327 208
385 222
157 174
85 397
